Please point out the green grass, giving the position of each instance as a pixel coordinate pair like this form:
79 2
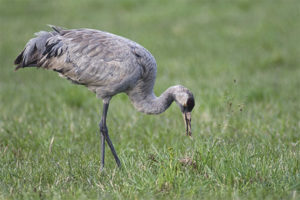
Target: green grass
241 60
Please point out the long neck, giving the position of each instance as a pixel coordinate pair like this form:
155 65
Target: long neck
149 103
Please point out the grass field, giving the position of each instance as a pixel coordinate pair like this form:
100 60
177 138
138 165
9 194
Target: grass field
241 60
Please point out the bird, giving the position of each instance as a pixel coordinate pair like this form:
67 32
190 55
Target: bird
107 64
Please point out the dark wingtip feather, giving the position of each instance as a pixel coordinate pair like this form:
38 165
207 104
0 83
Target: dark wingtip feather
48 49
19 59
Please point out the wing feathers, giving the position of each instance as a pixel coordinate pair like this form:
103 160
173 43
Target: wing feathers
85 56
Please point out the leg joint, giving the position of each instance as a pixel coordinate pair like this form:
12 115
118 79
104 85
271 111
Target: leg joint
103 128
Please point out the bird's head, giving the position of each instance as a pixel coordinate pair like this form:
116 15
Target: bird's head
185 100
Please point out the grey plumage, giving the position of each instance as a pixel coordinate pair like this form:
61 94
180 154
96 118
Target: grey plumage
106 64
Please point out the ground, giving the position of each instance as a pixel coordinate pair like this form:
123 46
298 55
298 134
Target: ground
241 60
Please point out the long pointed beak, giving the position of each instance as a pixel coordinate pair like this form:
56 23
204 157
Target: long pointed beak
187 119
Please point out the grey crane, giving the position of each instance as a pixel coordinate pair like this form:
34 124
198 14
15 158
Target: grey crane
106 64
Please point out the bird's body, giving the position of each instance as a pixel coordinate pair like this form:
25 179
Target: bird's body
106 64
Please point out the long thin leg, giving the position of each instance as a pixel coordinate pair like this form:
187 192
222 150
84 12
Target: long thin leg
102 150
104 132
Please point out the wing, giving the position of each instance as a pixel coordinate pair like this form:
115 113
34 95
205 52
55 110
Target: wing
91 57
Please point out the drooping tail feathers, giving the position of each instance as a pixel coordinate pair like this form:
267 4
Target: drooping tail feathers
34 49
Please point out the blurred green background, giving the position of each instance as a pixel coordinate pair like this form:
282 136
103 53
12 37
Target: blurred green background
241 60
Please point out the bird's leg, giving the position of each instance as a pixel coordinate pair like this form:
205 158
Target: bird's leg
104 135
102 148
